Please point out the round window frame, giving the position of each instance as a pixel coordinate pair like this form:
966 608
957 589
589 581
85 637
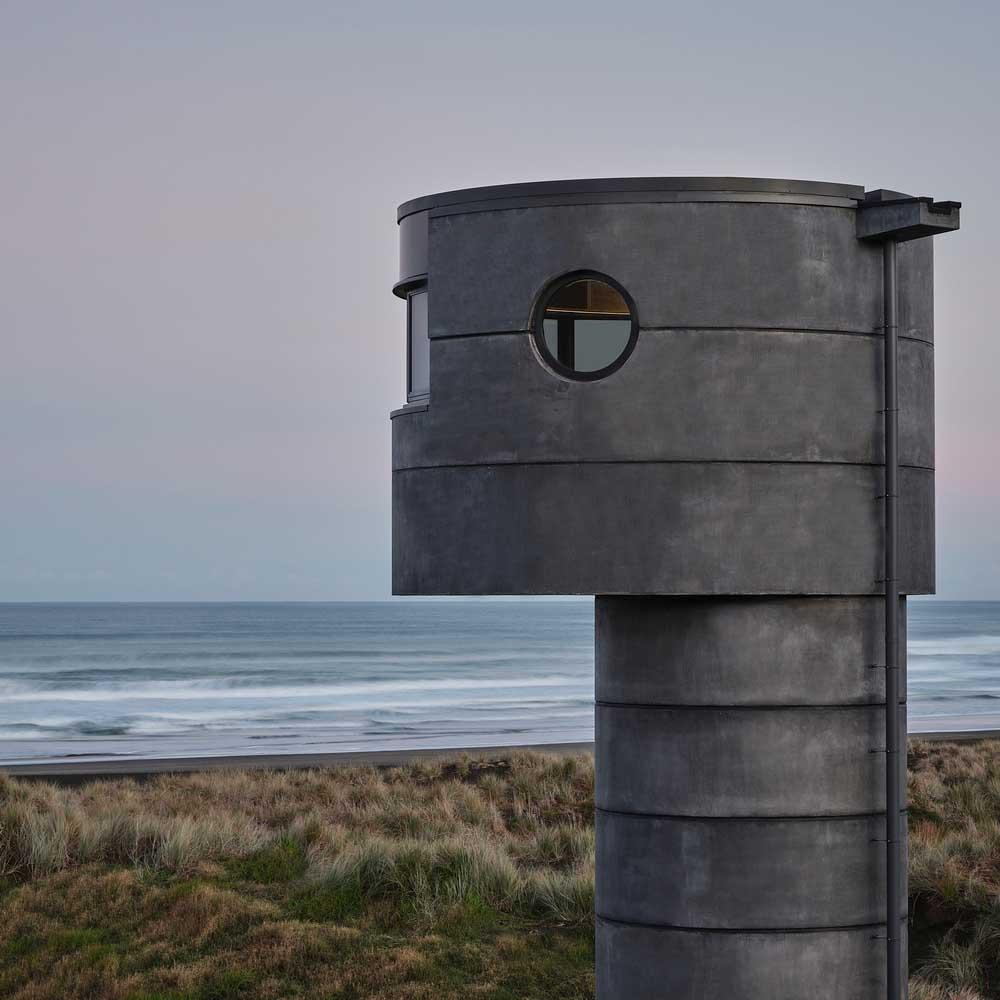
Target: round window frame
538 332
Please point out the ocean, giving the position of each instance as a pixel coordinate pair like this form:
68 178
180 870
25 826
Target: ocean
91 681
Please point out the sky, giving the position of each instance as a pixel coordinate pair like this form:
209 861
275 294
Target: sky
198 344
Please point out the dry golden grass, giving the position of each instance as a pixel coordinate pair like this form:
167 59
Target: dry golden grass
921 989
465 879
460 879
955 868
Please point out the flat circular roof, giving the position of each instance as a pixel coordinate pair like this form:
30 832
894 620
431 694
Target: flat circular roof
610 189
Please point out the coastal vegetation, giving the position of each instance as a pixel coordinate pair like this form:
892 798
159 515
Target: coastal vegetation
464 878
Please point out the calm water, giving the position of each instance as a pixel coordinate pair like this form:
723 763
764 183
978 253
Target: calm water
170 679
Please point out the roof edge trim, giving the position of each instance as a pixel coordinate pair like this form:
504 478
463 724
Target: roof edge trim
541 191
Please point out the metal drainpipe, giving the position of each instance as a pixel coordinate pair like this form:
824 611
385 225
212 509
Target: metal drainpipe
895 753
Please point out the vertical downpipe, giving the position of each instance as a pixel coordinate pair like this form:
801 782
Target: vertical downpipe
895 751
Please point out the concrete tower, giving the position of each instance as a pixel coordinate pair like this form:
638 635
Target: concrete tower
680 395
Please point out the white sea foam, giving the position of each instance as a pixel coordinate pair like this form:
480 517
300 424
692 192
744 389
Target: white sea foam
964 645
194 690
166 680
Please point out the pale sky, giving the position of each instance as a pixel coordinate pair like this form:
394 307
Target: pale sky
198 343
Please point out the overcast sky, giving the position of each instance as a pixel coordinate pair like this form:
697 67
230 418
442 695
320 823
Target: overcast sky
198 344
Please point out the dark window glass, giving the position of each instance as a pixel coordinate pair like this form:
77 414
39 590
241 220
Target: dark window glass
586 327
418 346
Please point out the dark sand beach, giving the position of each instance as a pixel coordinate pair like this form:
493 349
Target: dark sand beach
87 770
67 771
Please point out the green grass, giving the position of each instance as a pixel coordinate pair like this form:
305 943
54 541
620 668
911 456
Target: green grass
283 861
456 880
955 870
443 881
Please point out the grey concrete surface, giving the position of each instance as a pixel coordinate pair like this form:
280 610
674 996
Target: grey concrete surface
741 874
683 395
915 288
780 762
884 214
686 265
651 963
734 462
732 828
654 528
803 651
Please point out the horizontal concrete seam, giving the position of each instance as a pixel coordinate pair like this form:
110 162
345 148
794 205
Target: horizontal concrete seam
874 334
783 331
722 595
763 931
701 706
681 817
663 461
689 599
673 706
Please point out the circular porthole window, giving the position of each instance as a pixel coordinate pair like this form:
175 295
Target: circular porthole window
585 326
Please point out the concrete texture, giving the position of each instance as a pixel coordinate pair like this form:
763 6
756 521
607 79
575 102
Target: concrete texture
654 528
722 493
737 451
650 651
915 288
654 963
741 762
724 812
741 874
686 265
683 395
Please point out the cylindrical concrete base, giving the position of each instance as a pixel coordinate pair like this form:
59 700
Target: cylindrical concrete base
740 798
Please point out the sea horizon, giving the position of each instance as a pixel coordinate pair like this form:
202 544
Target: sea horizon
104 680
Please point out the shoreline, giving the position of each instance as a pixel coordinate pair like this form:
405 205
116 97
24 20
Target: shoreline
142 768
148 767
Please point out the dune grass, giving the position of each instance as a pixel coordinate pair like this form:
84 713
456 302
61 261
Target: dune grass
464 879
458 879
955 869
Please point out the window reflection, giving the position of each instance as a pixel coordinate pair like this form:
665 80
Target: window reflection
586 327
418 347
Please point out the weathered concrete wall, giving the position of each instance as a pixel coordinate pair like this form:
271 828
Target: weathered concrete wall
731 474
725 265
739 448
740 797
656 963
683 395
654 528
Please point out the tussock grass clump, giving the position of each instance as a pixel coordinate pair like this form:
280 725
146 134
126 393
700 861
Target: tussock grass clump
921 989
176 822
429 878
34 842
954 869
